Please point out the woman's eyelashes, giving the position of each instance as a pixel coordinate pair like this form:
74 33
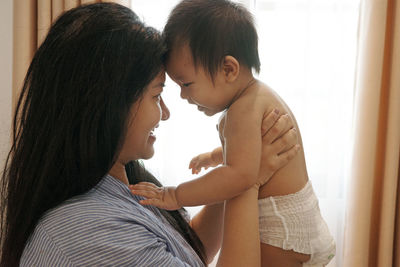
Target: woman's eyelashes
186 84
158 97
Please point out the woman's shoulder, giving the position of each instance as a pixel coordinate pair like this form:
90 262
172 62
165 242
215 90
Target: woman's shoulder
107 202
98 220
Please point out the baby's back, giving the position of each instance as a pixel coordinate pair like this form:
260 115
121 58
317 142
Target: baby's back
293 176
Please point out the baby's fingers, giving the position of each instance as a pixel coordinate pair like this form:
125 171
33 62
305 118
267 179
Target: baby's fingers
193 162
143 185
195 168
158 203
147 194
152 201
147 190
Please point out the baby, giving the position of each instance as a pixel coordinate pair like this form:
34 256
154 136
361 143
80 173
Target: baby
212 51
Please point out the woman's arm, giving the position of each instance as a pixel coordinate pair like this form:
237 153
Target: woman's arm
241 239
208 225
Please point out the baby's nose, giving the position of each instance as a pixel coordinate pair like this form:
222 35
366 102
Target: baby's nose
183 94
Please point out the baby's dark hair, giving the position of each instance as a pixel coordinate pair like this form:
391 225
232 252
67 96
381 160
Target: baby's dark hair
213 29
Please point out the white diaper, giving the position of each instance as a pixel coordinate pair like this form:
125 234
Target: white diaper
294 222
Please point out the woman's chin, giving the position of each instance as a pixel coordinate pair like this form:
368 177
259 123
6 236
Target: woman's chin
148 154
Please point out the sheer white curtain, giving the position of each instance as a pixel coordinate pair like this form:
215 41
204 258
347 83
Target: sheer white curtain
307 50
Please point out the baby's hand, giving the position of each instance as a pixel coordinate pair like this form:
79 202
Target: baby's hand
204 160
161 197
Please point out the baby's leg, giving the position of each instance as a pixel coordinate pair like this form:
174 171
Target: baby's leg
276 257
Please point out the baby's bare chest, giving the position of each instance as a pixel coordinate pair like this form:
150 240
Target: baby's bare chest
221 126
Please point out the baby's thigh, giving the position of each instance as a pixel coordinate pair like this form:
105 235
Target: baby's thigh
276 257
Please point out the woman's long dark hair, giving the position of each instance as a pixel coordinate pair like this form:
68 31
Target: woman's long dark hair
71 117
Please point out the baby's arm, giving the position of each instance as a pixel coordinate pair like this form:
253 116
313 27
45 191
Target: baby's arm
242 140
242 148
206 160
276 153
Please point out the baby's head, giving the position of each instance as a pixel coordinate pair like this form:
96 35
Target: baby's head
207 39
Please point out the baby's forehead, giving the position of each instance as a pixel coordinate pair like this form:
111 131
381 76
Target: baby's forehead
179 60
180 53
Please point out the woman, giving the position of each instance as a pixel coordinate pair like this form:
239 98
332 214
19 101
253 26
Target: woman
88 108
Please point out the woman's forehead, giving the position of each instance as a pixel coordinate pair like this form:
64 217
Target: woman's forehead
158 81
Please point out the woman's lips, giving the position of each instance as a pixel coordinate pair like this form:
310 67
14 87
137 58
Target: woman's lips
152 136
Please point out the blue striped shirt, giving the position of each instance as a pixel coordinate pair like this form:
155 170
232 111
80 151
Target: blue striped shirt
106 227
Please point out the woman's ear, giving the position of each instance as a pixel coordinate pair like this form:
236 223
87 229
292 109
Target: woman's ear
230 68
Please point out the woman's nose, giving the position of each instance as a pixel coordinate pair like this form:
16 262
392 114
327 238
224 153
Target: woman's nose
164 111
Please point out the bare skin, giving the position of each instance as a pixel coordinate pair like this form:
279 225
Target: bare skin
239 231
245 102
288 180
277 257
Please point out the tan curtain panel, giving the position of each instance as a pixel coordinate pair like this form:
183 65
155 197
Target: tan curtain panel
32 20
373 200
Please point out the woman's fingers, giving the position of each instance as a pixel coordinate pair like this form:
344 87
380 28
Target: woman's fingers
285 148
280 145
269 121
282 125
285 142
286 156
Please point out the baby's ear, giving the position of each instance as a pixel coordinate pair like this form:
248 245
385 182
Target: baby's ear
230 68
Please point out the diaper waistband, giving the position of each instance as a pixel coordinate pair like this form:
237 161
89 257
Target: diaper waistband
303 200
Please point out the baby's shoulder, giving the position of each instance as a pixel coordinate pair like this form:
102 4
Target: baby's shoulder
259 97
267 97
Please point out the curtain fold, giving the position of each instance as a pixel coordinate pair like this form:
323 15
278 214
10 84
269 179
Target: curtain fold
44 19
396 243
32 20
24 42
68 4
371 231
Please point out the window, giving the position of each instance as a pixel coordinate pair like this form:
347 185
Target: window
308 51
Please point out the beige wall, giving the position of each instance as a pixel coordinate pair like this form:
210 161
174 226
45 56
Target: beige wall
6 25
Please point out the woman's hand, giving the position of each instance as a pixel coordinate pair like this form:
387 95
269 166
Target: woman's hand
279 145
